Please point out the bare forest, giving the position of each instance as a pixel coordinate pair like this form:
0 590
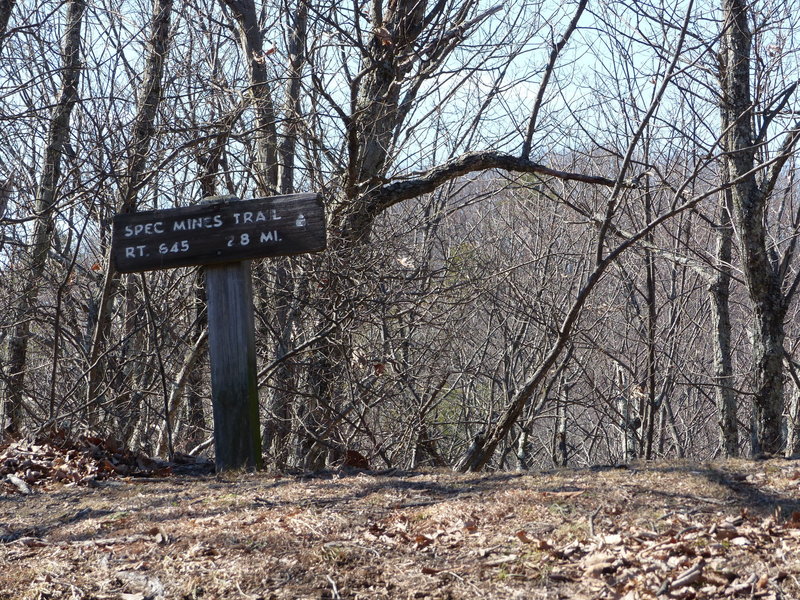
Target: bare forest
558 233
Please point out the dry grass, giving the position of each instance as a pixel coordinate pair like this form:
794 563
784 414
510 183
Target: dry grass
677 530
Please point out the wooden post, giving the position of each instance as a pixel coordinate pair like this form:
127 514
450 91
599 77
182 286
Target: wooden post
224 233
232 349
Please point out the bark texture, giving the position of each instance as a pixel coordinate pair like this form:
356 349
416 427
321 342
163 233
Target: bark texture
251 40
6 6
719 292
750 195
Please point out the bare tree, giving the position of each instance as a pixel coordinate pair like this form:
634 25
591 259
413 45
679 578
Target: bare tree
752 185
44 211
138 157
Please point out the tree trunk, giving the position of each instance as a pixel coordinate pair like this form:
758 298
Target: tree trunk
57 138
143 133
793 425
196 417
251 39
769 385
524 450
6 6
673 429
647 407
719 291
278 426
559 449
749 201
164 442
628 446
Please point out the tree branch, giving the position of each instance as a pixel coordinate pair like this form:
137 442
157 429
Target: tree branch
398 191
551 65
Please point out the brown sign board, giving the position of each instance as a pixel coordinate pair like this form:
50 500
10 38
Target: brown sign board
220 230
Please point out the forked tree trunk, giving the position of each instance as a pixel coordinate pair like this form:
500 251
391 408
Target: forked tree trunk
749 199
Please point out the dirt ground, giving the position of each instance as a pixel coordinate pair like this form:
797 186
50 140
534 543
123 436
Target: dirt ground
678 530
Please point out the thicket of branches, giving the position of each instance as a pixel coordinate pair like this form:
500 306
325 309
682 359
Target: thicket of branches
559 233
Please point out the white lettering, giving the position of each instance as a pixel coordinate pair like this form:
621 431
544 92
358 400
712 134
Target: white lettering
144 228
198 223
182 246
269 236
135 251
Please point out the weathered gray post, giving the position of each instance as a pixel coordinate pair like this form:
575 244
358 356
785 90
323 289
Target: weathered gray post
232 350
224 233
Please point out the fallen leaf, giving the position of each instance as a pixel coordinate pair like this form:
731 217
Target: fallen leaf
598 564
724 531
523 537
470 526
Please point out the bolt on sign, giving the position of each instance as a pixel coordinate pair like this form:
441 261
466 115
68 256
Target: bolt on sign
224 233
223 229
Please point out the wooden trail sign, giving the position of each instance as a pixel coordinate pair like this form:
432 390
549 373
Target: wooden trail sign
224 233
221 229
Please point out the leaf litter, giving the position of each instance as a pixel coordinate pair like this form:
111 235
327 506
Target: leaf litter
676 530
